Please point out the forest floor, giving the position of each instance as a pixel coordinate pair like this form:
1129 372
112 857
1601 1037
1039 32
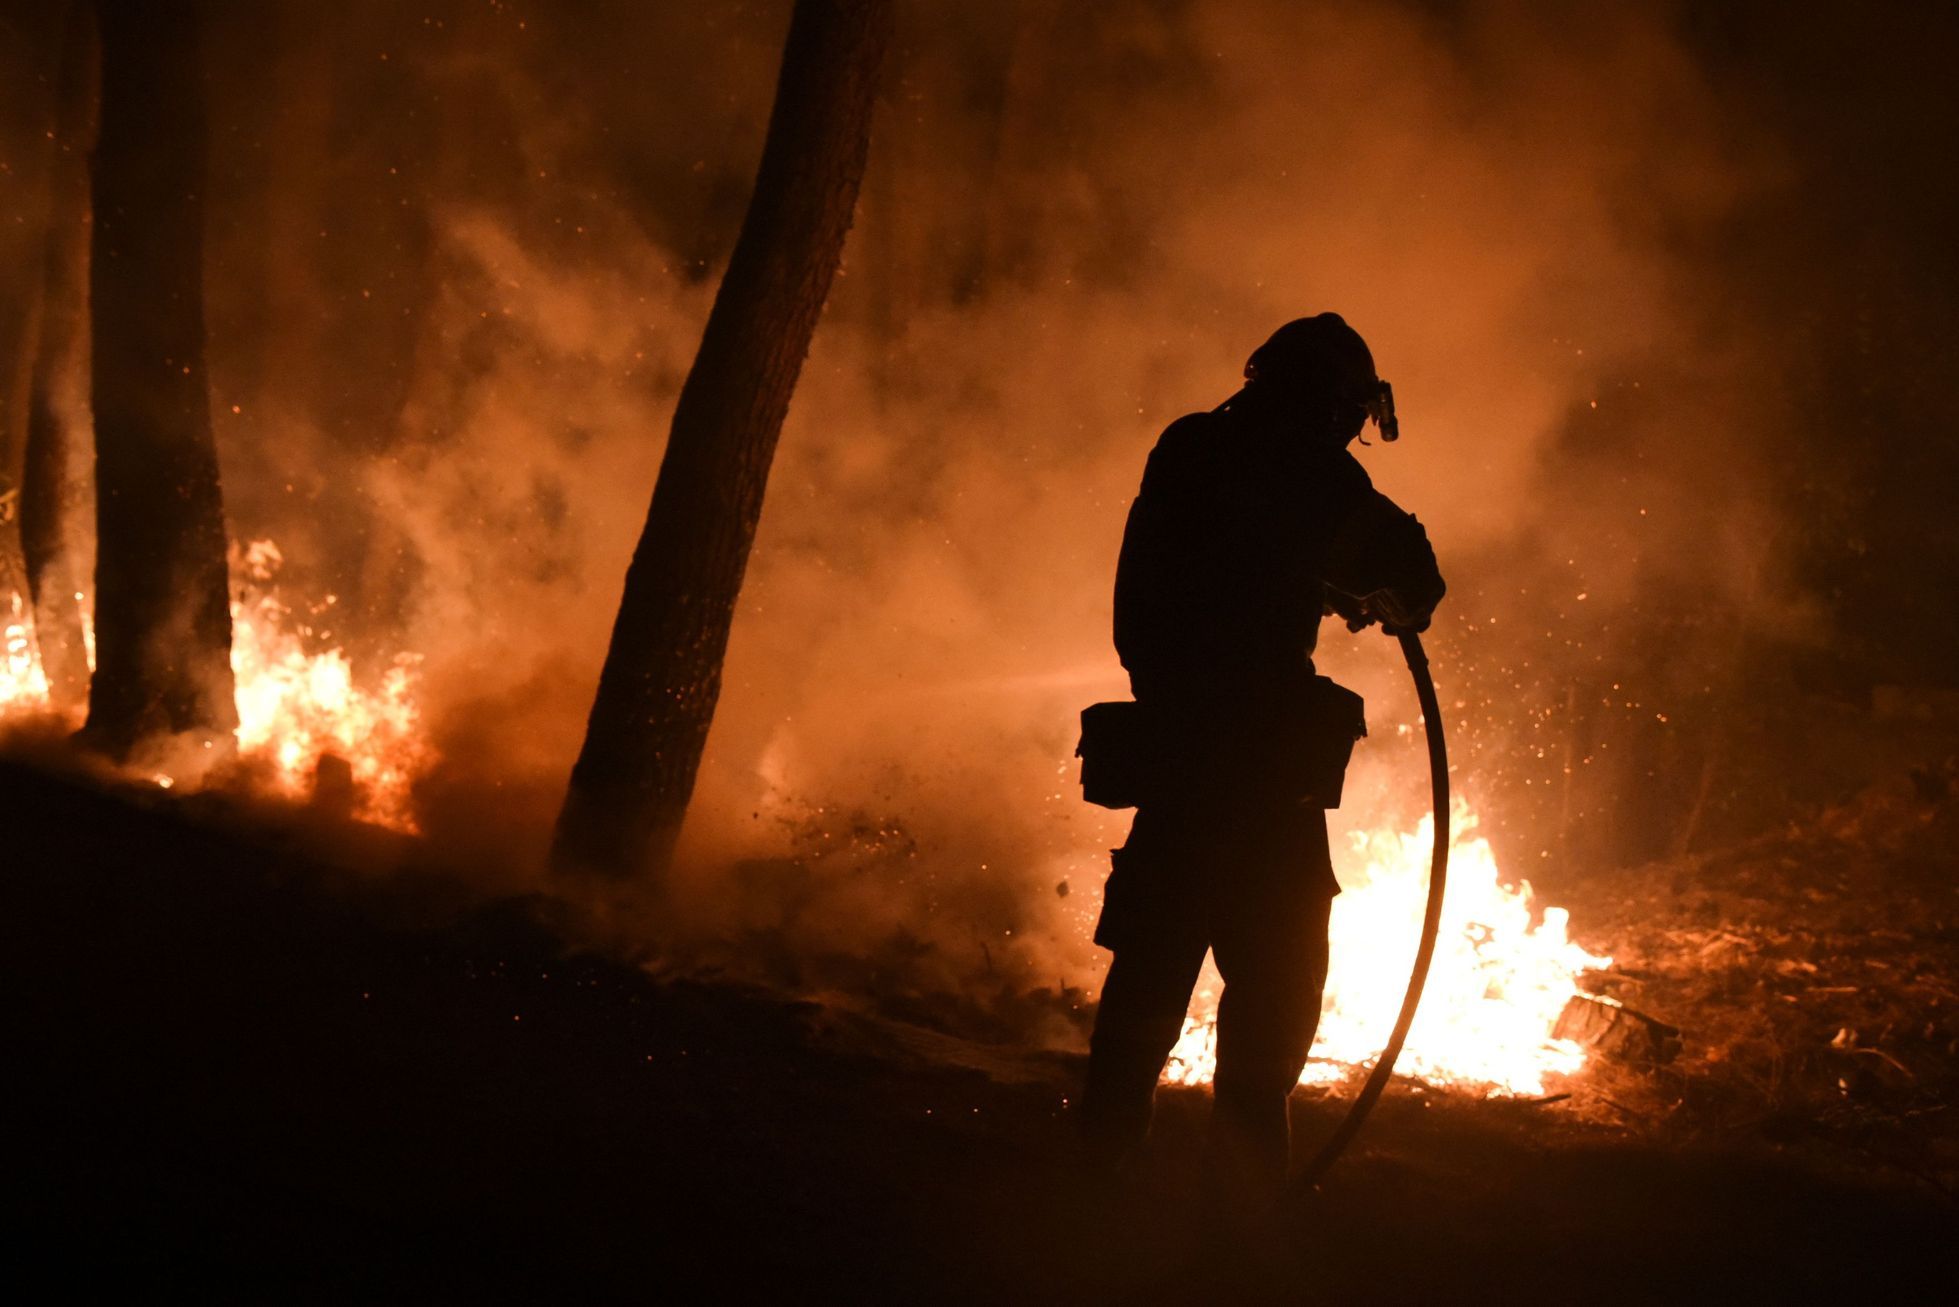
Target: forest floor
240 1069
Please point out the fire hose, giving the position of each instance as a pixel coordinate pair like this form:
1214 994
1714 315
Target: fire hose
1438 875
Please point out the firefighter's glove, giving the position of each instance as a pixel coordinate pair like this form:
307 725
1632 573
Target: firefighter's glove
1348 609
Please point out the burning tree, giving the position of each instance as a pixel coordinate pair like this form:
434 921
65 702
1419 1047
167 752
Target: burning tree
162 616
662 673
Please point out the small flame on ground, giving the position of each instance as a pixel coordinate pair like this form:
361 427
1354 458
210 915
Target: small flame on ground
297 708
22 684
298 705
1498 983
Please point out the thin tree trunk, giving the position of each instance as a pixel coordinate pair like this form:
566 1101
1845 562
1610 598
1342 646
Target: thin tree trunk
28 113
662 675
162 615
51 496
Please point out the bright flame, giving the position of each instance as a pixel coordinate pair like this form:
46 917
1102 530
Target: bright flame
296 707
1494 993
22 684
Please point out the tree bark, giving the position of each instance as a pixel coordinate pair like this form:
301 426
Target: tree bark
51 492
162 614
662 676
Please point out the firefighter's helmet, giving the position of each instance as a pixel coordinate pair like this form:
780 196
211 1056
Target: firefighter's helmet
1323 358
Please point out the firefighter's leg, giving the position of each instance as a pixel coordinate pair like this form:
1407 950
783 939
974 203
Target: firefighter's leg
1137 1023
1157 936
1273 964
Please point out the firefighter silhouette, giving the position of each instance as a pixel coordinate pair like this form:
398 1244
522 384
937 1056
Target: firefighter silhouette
1253 522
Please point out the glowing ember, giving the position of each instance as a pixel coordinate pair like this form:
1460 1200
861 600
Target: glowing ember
296 708
1498 982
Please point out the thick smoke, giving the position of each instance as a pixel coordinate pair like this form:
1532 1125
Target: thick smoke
469 252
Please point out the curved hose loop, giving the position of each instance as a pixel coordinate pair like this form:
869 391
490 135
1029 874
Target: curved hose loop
1438 877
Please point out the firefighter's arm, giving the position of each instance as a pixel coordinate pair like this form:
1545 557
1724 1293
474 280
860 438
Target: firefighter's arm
1381 568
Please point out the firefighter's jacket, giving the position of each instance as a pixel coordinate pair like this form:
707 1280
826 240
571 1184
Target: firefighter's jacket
1240 540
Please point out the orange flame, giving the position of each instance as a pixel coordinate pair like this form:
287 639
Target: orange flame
297 707
1499 980
23 687
297 704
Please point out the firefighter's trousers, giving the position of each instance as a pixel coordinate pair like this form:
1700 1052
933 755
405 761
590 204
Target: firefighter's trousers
1253 886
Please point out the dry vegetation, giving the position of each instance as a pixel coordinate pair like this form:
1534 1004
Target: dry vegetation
1816 971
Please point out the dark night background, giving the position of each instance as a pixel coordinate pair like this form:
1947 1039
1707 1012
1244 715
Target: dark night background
1668 294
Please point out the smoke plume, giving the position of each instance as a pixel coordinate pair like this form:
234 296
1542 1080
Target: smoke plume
460 261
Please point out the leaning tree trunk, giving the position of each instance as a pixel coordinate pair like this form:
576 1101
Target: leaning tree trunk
662 675
51 496
162 619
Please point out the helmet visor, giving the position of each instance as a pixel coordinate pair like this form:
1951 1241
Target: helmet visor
1380 407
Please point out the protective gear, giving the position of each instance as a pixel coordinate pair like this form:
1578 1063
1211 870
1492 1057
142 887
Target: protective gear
1232 552
1380 410
1238 540
1379 568
1294 751
1321 361
1320 354
1253 887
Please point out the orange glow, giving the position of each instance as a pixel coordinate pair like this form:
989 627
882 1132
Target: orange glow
22 685
297 707
297 703
1497 985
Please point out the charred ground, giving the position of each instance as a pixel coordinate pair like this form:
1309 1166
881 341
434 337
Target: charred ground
244 1067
